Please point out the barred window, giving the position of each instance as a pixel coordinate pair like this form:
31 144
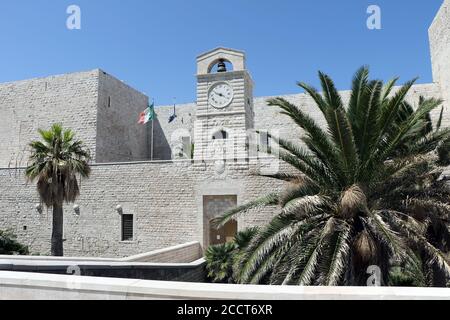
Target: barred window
127 227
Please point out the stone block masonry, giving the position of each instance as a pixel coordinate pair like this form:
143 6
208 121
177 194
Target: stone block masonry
165 199
28 105
100 109
267 117
119 136
439 34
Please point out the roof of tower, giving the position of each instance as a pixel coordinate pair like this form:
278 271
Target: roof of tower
221 49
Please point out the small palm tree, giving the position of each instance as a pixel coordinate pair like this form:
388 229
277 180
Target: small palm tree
220 258
54 163
219 262
363 192
9 244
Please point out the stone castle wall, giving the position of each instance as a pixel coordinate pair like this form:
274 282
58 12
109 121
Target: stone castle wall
166 199
267 117
100 109
119 136
37 103
439 35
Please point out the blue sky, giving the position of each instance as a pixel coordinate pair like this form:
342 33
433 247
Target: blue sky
152 44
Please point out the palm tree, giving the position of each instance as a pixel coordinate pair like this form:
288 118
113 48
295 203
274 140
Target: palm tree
220 258
9 244
363 192
219 261
54 163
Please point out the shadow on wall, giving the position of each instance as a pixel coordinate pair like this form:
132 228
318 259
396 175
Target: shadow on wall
161 147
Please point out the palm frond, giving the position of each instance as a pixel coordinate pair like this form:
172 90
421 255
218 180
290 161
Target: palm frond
279 230
270 199
386 235
305 206
387 89
390 109
337 265
357 103
310 256
318 137
436 256
339 125
424 108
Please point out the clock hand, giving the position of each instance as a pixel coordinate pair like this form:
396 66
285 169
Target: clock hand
218 93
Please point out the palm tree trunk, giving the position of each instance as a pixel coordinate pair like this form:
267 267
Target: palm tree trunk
57 232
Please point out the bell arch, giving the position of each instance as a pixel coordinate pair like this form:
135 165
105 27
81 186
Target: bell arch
206 61
223 65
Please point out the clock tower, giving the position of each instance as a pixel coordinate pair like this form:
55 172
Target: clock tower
224 112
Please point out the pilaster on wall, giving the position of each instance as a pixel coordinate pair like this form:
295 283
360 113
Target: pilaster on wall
439 34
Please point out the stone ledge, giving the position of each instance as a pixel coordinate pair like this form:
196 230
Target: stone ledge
180 249
41 286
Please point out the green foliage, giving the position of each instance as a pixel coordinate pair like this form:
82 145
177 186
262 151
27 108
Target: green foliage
365 192
399 277
221 258
444 153
10 246
54 163
243 238
219 262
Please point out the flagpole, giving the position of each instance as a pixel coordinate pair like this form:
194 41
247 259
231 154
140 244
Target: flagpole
153 128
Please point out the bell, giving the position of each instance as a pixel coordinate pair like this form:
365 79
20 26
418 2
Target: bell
221 67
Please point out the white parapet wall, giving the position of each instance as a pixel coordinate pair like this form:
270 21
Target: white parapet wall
30 286
183 263
183 253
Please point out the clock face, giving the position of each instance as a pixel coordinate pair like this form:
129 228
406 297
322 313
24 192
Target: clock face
220 95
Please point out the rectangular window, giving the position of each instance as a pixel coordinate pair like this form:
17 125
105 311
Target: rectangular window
187 147
127 227
264 141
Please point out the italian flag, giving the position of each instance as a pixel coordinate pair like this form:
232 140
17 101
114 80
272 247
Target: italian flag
147 115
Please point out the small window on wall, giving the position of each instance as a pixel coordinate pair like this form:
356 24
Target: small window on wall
127 227
220 135
264 141
187 147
